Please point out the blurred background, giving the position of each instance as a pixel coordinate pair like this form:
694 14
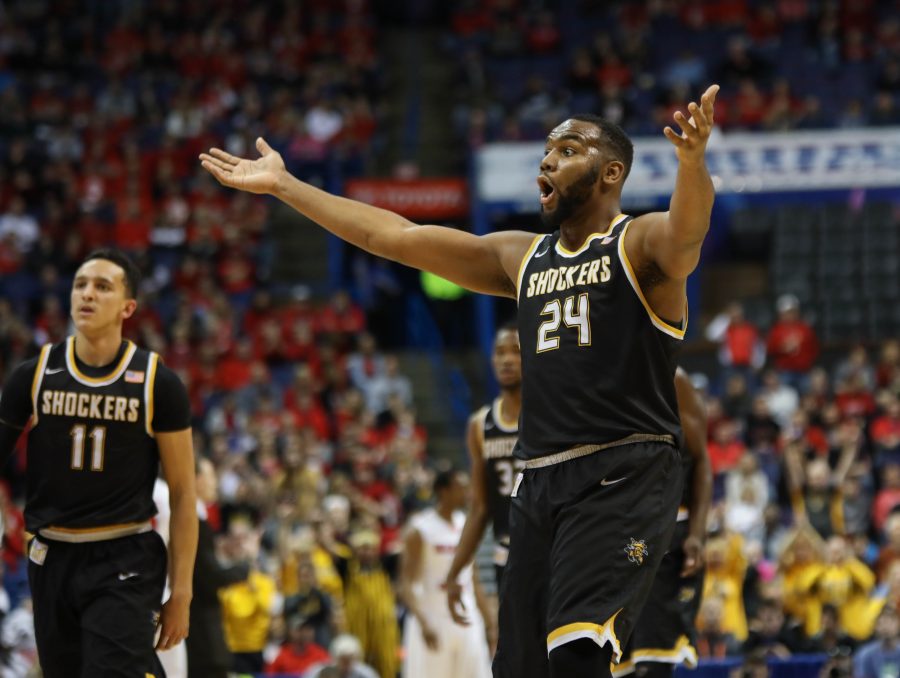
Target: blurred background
328 385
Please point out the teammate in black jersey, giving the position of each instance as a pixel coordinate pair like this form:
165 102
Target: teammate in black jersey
664 634
492 433
602 305
101 414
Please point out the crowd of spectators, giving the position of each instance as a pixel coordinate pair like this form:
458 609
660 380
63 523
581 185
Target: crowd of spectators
790 64
308 429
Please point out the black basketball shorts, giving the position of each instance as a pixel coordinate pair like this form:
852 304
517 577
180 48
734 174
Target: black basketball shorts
587 536
96 606
665 631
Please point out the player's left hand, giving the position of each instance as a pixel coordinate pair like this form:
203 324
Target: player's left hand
693 556
455 603
695 131
174 622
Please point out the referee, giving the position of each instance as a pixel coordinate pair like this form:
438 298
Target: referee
101 414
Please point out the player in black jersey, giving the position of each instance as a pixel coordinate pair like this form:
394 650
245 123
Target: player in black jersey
664 634
492 434
602 306
101 414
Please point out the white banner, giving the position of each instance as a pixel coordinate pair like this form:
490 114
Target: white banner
744 162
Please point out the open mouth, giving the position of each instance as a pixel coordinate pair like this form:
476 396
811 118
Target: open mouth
548 191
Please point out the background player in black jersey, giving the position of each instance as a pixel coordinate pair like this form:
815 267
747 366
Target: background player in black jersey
664 634
103 414
490 438
602 304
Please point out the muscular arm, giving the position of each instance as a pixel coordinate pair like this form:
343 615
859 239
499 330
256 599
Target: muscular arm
693 421
486 264
476 521
668 243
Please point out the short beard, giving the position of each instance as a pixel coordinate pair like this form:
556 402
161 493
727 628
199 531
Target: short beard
572 201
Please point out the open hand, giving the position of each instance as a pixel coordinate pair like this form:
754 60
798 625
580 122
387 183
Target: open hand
254 176
691 143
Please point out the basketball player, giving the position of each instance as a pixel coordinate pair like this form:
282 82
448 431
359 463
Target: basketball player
103 414
436 647
664 634
602 307
491 436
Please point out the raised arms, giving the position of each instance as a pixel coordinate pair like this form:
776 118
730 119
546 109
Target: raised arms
487 264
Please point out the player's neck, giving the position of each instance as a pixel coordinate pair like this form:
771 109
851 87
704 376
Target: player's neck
98 351
510 404
573 232
445 512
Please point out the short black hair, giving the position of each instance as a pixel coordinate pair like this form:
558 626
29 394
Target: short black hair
123 261
444 479
612 137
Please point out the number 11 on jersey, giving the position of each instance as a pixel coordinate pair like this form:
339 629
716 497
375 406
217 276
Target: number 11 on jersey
98 440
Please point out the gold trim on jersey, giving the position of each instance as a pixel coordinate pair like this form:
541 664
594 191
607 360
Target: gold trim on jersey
593 236
37 380
599 633
585 450
502 424
524 263
658 322
682 653
82 378
149 382
80 535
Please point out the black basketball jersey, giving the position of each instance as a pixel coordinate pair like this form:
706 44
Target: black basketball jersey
92 456
498 440
598 364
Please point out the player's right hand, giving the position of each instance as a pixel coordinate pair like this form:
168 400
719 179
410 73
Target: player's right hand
430 636
254 176
455 603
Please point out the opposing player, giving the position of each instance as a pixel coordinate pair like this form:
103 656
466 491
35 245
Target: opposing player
436 647
103 414
664 634
602 307
491 437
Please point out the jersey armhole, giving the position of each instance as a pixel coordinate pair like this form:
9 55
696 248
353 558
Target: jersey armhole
482 418
524 263
37 380
149 383
658 323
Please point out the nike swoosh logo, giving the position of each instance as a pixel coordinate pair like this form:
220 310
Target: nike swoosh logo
56 371
606 482
540 254
123 576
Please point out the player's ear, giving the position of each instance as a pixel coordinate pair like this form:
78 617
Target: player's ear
613 172
129 308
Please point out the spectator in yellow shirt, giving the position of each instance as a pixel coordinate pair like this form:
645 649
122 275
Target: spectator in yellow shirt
843 581
803 553
248 606
726 567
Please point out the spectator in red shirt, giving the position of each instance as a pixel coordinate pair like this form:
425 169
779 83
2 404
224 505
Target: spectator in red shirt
300 651
740 346
885 430
792 344
888 497
725 449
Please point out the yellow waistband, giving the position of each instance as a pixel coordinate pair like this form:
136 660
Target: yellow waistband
585 450
80 535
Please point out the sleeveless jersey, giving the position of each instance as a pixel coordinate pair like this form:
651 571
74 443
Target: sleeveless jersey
498 440
598 364
440 540
92 456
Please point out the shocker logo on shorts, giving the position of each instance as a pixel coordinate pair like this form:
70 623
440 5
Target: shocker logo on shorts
637 550
686 594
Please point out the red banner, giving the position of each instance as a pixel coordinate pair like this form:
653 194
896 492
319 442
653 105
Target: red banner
417 199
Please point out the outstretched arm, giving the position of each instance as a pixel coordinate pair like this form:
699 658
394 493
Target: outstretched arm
476 521
693 422
672 239
487 264
667 244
